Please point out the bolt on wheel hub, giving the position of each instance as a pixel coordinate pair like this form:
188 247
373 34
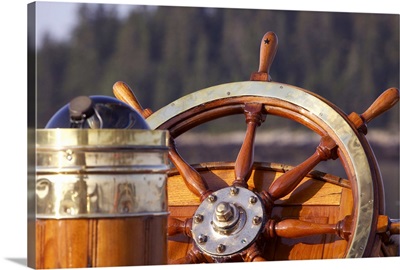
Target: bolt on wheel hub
228 221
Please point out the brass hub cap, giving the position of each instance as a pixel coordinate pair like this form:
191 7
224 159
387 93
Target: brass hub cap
229 221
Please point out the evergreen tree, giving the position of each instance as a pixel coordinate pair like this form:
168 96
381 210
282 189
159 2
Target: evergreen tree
52 61
164 53
91 48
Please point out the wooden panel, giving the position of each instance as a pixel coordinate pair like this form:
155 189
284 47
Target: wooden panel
182 212
101 242
308 192
156 243
61 244
334 244
122 240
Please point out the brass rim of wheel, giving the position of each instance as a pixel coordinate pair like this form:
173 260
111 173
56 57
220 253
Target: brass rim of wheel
303 107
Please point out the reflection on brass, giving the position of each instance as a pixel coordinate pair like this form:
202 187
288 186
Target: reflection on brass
73 200
100 195
101 173
93 200
125 198
44 196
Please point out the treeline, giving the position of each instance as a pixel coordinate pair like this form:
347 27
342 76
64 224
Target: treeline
166 52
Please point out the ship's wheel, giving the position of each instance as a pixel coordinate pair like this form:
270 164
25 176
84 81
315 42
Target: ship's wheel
248 210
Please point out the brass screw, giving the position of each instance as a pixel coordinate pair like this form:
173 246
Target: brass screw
202 238
212 198
253 199
221 248
198 218
257 220
69 154
234 190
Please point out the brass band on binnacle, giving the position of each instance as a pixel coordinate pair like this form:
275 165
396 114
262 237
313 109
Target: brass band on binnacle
89 173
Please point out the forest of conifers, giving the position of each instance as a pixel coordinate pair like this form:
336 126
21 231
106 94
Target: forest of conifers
166 52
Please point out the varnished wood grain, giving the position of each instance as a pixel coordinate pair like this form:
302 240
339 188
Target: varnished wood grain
245 158
384 102
268 48
77 243
309 191
287 182
123 92
193 180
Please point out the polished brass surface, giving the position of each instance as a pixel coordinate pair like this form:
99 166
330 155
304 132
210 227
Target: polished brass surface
228 223
101 173
100 195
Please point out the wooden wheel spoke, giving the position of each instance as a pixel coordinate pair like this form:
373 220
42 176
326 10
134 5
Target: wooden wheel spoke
287 182
394 226
177 226
388 225
294 228
245 158
384 102
193 180
252 254
193 255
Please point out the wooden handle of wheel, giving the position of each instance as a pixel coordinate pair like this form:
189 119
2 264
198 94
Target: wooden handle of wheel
123 92
293 228
394 226
268 48
385 224
384 102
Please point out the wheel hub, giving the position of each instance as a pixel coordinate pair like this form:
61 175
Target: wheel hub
228 221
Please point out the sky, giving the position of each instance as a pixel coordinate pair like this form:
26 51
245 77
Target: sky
13 110
56 18
59 18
